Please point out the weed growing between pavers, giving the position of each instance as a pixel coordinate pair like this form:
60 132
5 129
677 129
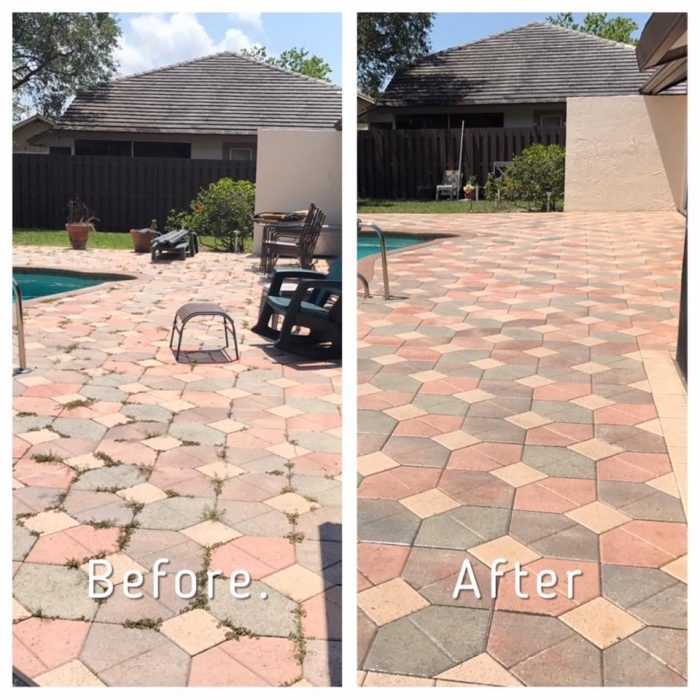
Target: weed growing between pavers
78 403
45 457
126 534
298 638
236 632
106 459
201 599
209 513
145 623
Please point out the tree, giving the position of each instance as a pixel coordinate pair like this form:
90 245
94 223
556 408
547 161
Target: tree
616 29
55 54
294 59
386 41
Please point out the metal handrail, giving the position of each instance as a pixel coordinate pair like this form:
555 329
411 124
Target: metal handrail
19 322
382 250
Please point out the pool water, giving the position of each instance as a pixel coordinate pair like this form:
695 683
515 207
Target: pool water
35 283
368 242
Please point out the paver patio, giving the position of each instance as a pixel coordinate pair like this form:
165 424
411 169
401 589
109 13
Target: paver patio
517 400
122 453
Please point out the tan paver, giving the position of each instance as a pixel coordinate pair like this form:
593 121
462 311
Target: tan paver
194 631
389 601
602 622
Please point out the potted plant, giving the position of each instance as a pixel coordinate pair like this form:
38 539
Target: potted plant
143 237
470 188
79 223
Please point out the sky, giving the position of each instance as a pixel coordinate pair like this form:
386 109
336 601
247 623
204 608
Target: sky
453 29
152 40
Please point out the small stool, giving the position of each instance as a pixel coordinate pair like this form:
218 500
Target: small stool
189 311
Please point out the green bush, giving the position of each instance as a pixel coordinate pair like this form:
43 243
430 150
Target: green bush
535 171
224 210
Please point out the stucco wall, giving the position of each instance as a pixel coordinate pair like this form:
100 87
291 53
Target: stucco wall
625 153
296 167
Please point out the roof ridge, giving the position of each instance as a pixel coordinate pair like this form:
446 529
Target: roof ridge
286 70
215 55
588 34
537 23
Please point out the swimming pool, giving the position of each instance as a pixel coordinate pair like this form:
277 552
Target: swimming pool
43 282
368 242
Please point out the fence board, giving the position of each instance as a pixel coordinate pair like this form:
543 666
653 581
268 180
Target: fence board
408 163
124 193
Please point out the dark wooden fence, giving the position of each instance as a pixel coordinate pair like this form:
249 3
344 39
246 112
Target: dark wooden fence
409 163
124 193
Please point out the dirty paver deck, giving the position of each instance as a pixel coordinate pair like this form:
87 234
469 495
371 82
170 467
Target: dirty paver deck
518 401
124 454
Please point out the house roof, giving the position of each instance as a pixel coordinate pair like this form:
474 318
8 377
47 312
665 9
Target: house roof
539 62
220 94
34 119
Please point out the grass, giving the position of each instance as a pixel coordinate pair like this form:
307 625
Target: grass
98 239
441 206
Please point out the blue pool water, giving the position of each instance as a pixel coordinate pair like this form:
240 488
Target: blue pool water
35 283
368 242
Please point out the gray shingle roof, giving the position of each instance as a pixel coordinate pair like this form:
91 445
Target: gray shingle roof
220 94
539 62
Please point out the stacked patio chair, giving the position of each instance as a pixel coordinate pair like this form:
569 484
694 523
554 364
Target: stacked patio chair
291 241
179 244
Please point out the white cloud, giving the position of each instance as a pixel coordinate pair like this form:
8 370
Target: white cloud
154 40
254 19
235 40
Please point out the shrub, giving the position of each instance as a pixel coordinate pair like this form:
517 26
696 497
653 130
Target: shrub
224 210
535 171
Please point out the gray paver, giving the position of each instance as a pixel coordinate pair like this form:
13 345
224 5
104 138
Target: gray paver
627 665
175 513
271 616
201 434
79 428
627 586
463 527
55 590
22 541
107 645
164 665
122 476
385 521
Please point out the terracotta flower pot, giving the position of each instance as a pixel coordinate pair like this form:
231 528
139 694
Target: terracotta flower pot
78 235
142 238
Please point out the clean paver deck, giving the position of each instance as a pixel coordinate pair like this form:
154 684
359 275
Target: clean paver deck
122 453
518 400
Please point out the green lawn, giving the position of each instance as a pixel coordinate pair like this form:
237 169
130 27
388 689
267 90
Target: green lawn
98 239
442 206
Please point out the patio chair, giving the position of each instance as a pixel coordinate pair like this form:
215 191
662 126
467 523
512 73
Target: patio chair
291 241
450 184
308 309
179 244
283 284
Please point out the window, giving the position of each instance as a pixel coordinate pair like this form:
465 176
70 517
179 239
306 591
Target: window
421 121
162 149
544 119
477 120
85 147
240 153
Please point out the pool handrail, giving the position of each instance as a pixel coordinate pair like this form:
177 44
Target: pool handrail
382 249
19 322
